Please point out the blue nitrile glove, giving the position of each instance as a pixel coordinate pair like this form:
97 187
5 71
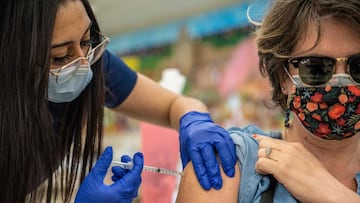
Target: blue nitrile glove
124 189
119 171
200 138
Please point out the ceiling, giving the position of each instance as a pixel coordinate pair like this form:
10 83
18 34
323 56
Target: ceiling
117 17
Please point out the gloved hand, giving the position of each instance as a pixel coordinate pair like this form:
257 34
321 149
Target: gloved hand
124 189
200 138
119 171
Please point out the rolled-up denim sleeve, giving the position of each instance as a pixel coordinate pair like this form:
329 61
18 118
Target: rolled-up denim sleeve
253 184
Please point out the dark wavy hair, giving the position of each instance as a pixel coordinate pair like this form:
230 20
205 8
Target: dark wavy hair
286 22
37 160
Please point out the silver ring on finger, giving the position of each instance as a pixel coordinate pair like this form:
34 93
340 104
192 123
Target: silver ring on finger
268 151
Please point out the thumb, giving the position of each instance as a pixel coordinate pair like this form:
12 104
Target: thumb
134 175
138 163
103 163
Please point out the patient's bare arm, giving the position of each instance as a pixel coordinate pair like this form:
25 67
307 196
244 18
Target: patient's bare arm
191 191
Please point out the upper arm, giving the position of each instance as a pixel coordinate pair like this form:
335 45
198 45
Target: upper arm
191 191
134 94
153 103
148 101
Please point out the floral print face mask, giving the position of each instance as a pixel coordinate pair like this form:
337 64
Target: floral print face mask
331 112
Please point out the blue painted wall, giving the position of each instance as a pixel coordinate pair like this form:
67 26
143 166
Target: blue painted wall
197 26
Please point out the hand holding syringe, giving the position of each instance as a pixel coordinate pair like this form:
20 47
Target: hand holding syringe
129 165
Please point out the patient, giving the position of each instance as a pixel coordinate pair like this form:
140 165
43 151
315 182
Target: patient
317 156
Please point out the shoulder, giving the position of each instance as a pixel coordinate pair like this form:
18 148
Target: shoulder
244 136
249 130
120 80
111 62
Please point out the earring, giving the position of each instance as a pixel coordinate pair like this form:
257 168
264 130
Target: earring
287 118
283 90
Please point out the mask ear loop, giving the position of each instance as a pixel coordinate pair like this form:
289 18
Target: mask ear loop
291 78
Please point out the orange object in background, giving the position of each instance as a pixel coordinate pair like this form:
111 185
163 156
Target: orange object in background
160 147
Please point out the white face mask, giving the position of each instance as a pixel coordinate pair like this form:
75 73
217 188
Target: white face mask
69 83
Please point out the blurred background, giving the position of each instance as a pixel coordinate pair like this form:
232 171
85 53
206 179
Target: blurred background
211 46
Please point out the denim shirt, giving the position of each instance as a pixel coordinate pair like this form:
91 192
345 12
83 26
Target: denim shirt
253 184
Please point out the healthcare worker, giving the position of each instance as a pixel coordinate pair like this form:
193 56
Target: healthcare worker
56 77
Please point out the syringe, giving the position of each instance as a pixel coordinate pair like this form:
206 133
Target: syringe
129 165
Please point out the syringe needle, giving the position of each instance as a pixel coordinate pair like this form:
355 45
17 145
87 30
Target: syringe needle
129 165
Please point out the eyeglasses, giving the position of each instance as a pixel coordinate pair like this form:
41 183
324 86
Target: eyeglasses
91 56
315 71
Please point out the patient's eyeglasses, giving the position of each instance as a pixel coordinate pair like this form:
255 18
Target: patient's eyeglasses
91 56
315 71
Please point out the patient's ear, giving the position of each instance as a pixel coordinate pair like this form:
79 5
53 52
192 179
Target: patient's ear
190 189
